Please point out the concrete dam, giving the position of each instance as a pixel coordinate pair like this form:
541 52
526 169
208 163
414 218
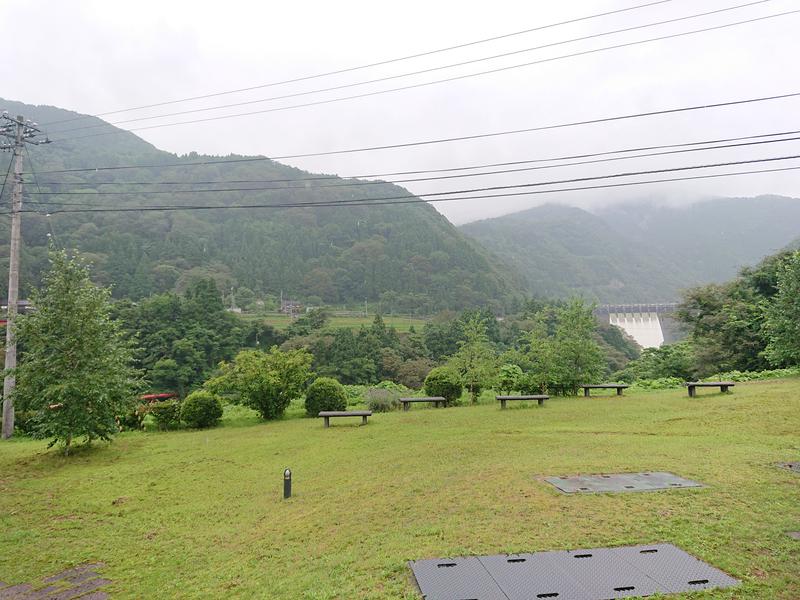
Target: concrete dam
651 325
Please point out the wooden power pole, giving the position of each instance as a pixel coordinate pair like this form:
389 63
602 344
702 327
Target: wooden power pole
18 132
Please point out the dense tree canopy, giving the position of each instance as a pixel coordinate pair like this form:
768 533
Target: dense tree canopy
783 315
728 322
182 338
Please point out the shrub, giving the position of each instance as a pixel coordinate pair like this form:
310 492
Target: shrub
325 394
355 394
670 360
444 382
24 421
509 377
531 384
393 387
134 419
660 383
382 399
755 375
411 373
201 409
167 413
264 381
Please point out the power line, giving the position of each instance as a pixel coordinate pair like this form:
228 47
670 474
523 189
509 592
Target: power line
426 171
447 80
52 233
693 147
33 170
370 65
428 195
419 72
417 200
441 140
5 179
419 179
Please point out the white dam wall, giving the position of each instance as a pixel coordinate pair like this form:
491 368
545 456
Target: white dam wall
643 327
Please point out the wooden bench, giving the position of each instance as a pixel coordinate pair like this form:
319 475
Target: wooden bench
327 414
693 385
604 386
437 400
503 399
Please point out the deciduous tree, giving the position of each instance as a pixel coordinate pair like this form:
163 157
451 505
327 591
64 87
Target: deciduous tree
783 316
75 372
475 359
264 381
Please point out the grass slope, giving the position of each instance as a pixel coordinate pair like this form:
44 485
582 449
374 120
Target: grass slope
200 515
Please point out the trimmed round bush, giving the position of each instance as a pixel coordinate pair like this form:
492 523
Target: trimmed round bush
325 393
201 409
444 382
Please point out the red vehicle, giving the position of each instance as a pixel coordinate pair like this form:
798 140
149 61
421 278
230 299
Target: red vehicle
156 397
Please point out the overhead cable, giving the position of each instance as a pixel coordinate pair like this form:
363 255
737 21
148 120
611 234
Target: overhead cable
441 140
418 72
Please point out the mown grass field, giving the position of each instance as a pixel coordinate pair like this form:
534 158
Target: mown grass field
199 514
401 324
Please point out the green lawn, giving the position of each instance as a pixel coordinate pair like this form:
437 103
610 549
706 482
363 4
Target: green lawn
401 324
199 514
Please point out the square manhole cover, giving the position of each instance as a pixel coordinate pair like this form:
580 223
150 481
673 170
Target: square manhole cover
792 466
621 482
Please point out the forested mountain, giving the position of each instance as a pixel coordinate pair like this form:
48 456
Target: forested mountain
713 239
638 253
564 250
409 257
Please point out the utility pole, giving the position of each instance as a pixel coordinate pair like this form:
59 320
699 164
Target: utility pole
19 132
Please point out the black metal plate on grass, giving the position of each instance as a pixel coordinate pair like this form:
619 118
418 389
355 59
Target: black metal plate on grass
621 482
594 574
605 572
792 466
675 569
455 579
533 576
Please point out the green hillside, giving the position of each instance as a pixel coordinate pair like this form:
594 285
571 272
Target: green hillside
407 257
638 253
564 251
712 239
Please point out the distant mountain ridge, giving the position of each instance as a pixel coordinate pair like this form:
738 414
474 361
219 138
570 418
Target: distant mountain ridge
408 257
641 252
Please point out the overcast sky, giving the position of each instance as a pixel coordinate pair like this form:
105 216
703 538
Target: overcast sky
97 56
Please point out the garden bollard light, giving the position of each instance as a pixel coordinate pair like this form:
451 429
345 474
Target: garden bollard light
287 483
